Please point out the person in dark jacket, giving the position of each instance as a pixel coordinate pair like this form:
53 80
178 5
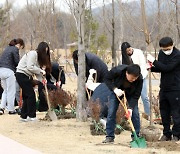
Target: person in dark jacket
118 79
168 64
8 62
54 80
92 62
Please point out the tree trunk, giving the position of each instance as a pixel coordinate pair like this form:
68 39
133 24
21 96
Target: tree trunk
113 38
81 114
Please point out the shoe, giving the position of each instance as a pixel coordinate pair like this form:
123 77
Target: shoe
175 138
12 112
165 138
1 111
32 119
108 140
23 120
18 110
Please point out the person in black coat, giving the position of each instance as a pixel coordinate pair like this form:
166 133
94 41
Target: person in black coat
125 78
54 80
168 64
92 62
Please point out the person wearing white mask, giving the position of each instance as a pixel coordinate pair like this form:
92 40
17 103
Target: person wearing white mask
168 64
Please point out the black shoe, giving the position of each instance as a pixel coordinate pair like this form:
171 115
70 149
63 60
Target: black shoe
108 140
165 138
1 111
18 110
175 138
13 112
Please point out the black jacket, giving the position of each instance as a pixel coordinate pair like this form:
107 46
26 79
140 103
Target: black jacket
116 78
58 73
10 58
169 66
94 62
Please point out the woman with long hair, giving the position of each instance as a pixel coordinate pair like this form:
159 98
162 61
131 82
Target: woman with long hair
35 62
8 63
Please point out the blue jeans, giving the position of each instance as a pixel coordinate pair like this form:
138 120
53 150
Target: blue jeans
144 97
111 118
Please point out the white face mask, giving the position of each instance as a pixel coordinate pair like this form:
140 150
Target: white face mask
168 52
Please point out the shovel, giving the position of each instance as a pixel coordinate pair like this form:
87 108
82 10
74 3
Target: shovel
138 142
50 112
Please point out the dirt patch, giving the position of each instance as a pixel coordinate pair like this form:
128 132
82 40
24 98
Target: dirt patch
168 145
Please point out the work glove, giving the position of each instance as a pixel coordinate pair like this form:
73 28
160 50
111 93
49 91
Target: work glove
43 72
128 114
118 92
92 71
150 58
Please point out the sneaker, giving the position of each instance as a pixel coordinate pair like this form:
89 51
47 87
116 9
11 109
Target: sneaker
12 112
108 140
175 138
165 138
23 120
32 119
1 111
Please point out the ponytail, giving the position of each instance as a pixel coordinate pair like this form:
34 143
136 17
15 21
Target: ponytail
17 41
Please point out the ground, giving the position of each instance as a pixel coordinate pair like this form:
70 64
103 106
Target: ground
70 136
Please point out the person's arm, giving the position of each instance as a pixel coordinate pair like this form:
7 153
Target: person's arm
167 67
133 99
31 63
16 58
111 75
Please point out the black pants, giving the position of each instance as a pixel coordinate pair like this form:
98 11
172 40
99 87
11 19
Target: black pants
170 106
29 100
43 106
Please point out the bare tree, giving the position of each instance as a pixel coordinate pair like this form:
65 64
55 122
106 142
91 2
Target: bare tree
78 10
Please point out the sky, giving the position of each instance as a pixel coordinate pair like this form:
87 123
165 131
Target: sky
60 3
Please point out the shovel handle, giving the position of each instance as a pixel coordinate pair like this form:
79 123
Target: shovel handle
126 110
47 95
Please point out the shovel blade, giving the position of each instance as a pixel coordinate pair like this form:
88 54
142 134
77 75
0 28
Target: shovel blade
52 115
139 142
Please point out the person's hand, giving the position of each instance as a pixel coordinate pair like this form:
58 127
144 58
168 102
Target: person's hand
58 84
44 67
118 92
128 114
92 71
43 72
44 81
149 65
150 58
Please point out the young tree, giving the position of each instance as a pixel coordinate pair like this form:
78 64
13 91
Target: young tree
77 8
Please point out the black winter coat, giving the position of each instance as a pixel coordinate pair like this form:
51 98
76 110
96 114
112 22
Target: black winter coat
169 66
94 62
116 78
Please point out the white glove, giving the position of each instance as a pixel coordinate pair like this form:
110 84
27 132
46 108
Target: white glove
118 92
43 72
92 71
150 58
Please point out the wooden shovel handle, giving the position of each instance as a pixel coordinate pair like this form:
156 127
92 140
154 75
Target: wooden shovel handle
126 110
